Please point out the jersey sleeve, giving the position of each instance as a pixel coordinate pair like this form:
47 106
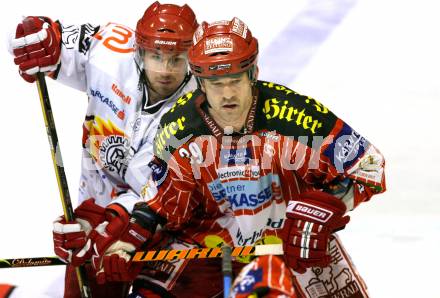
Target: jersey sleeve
324 151
355 160
169 191
76 44
342 163
320 148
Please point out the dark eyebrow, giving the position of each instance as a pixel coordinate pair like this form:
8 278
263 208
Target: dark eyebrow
232 76
155 52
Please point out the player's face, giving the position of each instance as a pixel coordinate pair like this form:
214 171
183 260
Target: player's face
230 98
165 71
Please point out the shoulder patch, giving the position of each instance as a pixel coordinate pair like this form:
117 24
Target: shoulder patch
85 37
78 34
346 149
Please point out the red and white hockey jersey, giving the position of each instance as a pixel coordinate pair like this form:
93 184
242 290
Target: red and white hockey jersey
119 127
217 188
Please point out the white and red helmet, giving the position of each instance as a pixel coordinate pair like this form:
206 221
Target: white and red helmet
222 48
166 27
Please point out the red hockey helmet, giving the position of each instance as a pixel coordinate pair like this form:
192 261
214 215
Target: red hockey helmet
166 27
221 48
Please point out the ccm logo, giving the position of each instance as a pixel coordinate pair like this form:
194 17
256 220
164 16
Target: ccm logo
309 211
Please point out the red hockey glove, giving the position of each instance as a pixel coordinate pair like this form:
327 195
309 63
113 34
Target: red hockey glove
311 219
117 235
116 265
70 236
36 47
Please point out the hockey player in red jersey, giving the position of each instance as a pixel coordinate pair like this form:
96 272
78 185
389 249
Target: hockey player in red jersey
245 162
131 78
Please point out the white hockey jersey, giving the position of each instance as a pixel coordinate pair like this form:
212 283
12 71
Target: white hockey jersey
119 127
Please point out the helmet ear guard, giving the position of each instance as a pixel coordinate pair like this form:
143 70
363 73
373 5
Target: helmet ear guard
223 48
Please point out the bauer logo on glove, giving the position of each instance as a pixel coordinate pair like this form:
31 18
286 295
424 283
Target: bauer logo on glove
310 211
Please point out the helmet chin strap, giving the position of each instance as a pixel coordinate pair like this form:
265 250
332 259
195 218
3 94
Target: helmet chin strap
151 90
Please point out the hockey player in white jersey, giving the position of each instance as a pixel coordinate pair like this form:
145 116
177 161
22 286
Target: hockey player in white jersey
131 78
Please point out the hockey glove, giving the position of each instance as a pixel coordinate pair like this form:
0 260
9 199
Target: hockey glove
70 236
311 219
36 46
116 264
110 243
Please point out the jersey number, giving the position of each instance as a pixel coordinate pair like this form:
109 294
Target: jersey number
195 154
117 42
